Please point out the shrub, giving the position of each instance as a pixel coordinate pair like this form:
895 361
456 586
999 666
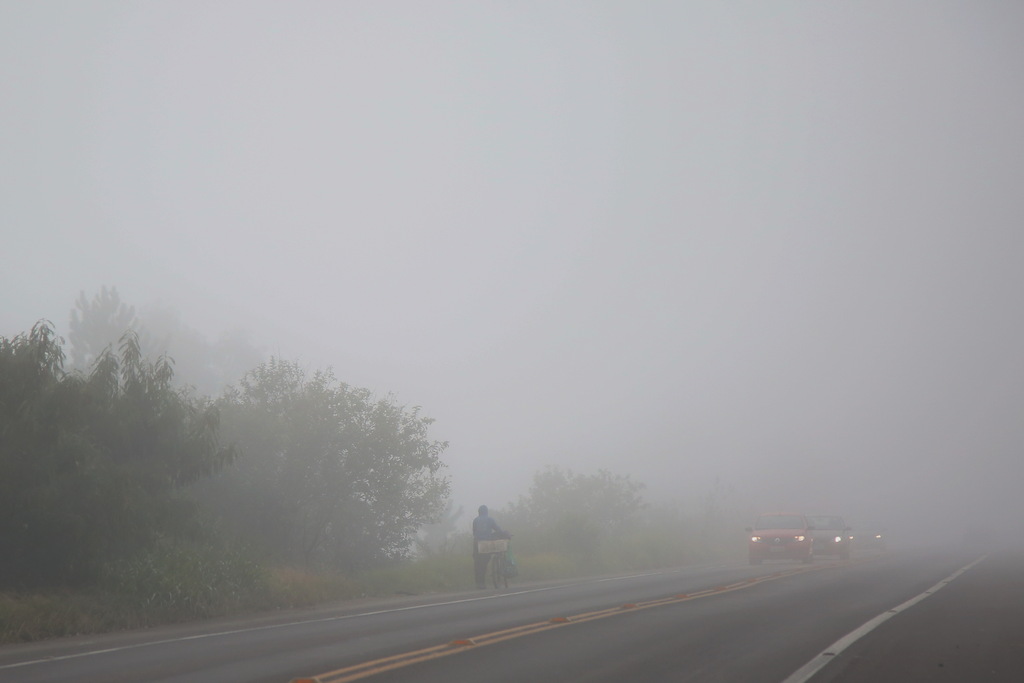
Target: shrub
29 617
426 575
176 580
290 587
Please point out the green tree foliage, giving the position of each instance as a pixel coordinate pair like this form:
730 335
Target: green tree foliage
442 537
574 513
90 465
609 502
327 475
96 324
208 367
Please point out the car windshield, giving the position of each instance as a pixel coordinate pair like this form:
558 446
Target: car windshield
826 522
780 522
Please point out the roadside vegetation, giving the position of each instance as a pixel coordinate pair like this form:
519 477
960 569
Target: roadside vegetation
188 583
128 500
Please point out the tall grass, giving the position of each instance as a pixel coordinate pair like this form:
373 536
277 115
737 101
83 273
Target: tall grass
29 617
174 581
438 573
179 581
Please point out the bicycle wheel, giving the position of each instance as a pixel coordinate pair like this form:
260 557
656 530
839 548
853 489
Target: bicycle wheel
498 571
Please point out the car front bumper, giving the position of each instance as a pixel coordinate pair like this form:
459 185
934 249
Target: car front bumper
770 549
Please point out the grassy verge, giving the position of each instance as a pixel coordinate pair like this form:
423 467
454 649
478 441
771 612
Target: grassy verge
28 617
31 616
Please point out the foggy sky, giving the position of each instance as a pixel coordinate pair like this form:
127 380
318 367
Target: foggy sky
778 244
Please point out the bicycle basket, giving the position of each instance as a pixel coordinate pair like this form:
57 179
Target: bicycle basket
497 546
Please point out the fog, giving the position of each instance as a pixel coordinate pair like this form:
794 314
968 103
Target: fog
773 245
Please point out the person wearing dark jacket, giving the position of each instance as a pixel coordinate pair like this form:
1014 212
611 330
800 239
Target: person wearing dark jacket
484 529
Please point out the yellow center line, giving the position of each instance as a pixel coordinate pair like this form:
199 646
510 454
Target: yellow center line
376 666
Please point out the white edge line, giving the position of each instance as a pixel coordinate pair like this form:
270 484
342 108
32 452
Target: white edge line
830 653
626 578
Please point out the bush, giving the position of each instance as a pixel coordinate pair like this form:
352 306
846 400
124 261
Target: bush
290 587
180 580
427 575
545 566
29 617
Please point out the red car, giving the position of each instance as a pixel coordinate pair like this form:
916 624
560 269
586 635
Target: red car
780 536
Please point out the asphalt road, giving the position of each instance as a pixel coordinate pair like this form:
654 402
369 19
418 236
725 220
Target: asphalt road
971 630
700 623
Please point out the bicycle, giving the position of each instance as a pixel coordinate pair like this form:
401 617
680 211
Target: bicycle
498 550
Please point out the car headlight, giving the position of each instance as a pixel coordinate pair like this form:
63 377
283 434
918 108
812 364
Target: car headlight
756 539
799 538
878 536
839 539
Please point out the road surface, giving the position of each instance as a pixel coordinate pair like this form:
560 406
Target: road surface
696 623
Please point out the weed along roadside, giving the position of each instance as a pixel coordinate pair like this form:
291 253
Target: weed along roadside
34 616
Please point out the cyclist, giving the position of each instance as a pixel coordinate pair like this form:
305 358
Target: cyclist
484 529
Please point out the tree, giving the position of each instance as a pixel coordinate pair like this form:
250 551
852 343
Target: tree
573 513
441 537
90 465
208 367
609 502
97 324
328 475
